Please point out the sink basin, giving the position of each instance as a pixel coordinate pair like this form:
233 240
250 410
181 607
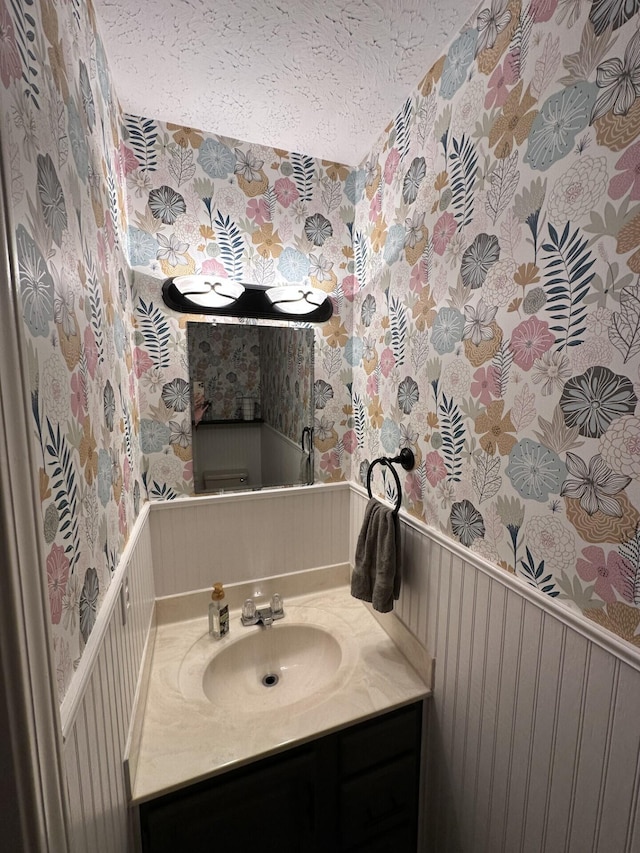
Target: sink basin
272 667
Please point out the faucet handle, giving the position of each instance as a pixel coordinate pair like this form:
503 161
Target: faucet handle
249 609
277 606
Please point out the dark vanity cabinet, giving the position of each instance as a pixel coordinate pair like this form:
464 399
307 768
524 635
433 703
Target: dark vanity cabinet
354 791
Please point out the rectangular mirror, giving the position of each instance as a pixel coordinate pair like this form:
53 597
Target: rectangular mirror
251 405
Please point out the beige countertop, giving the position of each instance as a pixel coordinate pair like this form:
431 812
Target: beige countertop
184 737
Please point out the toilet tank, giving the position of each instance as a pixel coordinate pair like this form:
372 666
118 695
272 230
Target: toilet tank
225 479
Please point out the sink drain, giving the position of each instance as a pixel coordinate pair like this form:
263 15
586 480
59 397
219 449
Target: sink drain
270 680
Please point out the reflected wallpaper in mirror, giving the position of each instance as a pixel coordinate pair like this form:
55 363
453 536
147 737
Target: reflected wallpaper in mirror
251 405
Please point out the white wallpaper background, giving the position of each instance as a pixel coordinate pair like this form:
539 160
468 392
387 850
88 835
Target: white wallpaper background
483 261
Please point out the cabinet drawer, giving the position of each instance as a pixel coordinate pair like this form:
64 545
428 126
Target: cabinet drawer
399 839
378 800
380 740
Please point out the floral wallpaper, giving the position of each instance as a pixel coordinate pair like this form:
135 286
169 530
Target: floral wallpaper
61 133
287 370
224 360
497 316
483 262
202 203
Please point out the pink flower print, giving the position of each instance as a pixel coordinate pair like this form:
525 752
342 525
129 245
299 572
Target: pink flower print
258 211
530 340
350 287
504 75
213 267
485 386
629 178
90 351
434 468
78 397
372 385
329 462
611 573
141 361
391 165
127 161
10 68
542 10
122 519
443 231
417 279
349 441
285 191
375 207
57 577
413 488
387 361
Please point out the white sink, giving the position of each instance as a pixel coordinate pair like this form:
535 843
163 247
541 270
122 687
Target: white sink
272 667
299 661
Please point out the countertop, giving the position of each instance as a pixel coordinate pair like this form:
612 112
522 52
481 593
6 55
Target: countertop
184 737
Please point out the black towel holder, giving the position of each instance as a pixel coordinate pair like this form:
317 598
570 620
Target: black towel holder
406 459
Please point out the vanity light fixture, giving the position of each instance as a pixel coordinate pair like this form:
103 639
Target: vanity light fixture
208 292
202 294
296 298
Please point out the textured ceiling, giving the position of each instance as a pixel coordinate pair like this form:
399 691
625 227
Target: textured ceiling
322 77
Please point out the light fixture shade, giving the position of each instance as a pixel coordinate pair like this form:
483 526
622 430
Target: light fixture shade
207 291
296 298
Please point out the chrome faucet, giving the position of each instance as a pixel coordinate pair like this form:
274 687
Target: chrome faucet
253 614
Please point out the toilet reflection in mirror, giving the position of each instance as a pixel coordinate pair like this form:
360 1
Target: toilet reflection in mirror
251 405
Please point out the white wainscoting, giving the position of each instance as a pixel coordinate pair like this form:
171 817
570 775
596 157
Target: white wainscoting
534 741
96 712
236 537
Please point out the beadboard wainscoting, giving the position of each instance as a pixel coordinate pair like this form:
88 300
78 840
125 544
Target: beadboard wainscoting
236 537
533 734
97 709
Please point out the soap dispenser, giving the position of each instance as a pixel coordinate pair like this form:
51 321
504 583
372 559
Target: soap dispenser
218 613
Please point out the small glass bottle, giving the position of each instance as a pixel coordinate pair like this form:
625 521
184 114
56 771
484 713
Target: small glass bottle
218 613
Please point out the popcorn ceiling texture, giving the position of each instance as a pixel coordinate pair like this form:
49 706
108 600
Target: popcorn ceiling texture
301 76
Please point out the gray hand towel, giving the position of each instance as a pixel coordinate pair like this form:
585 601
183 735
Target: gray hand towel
376 576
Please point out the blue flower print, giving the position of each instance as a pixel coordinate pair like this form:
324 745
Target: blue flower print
293 265
353 351
394 244
154 435
78 140
104 476
466 522
535 471
554 129
354 185
36 285
408 394
596 398
368 309
447 330
459 58
216 159
142 247
390 435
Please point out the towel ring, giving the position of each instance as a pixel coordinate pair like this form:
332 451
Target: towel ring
406 459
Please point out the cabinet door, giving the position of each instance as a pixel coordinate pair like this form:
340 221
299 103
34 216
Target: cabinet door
270 809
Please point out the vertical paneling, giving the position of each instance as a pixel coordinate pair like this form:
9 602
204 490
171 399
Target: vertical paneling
95 738
533 739
235 538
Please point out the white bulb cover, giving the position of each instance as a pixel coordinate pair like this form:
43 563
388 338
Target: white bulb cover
208 292
295 298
